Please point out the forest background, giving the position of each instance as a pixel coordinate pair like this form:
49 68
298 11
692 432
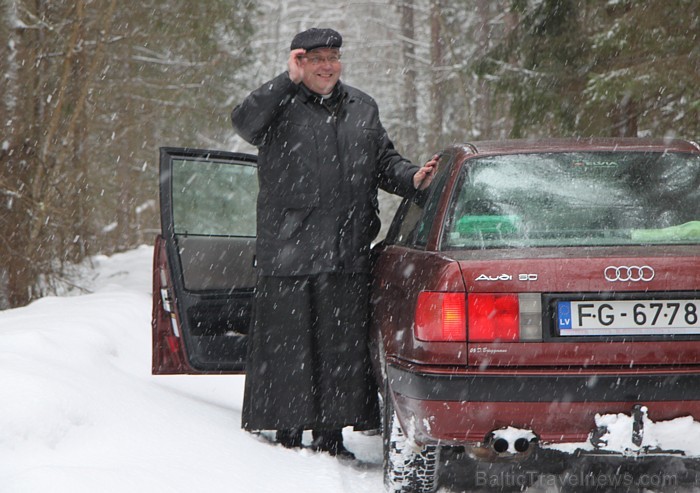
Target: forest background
90 89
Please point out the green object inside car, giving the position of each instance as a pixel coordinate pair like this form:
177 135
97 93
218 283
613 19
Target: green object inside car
487 225
686 231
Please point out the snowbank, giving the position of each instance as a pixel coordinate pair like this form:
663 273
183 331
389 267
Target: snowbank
80 411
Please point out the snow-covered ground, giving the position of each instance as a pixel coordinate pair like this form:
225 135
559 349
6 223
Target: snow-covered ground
80 411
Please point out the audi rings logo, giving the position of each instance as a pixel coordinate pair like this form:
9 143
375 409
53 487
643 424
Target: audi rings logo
632 273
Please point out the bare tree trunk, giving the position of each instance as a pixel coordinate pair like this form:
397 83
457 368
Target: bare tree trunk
128 130
437 93
75 234
483 113
408 135
18 156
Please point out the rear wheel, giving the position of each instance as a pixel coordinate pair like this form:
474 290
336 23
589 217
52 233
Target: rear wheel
408 467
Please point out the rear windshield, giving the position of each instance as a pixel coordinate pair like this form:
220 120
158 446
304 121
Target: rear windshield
576 199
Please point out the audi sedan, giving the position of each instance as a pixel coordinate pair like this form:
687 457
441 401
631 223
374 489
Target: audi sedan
533 286
536 285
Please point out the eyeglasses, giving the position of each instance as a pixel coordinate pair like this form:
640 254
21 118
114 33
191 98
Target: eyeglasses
317 59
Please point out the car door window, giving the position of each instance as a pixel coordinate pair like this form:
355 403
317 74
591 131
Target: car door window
214 220
211 198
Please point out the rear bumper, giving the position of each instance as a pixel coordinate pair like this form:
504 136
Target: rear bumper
464 406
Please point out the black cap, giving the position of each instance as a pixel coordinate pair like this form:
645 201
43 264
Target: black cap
317 38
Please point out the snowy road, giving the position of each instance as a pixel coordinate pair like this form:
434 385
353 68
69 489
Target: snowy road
80 411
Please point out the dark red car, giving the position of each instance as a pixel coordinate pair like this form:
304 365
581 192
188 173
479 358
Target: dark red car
534 285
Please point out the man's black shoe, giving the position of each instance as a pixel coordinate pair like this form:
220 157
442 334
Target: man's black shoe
331 441
289 438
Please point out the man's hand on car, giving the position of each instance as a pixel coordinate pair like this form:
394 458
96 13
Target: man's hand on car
424 176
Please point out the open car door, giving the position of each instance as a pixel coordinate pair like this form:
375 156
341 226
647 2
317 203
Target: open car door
204 261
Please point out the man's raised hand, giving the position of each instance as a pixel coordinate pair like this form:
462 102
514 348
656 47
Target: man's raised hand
296 69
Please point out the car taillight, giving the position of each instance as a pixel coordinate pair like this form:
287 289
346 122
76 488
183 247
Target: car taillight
440 317
493 317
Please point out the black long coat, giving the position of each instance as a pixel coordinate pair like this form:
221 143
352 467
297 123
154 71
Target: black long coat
319 167
320 163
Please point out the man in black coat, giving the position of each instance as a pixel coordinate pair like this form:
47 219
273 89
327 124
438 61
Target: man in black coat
322 155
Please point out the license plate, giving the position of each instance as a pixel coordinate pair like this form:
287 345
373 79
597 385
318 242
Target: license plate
628 317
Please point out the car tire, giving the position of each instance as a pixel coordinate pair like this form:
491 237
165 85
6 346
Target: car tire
408 467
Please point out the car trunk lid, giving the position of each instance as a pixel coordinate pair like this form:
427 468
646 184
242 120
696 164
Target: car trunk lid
595 306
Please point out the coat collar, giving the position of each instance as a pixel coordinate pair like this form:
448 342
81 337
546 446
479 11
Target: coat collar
339 93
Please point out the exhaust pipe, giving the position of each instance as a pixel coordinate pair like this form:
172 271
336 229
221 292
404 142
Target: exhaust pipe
500 445
521 445
507 444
